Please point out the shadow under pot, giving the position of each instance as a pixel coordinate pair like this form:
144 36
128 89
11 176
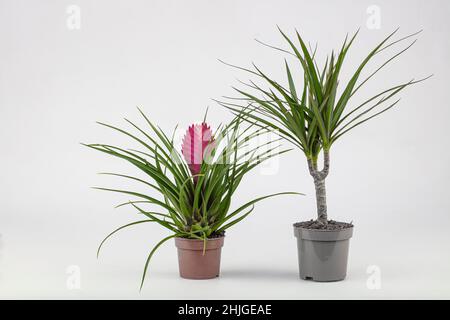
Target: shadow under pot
197 262
323 254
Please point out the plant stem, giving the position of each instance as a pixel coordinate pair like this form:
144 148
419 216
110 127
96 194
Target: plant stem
321 199
319 183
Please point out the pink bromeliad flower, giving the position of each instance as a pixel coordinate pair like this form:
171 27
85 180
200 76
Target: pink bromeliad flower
197 141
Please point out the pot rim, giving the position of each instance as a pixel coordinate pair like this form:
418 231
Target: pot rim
207 239
198 244
323 230
323 235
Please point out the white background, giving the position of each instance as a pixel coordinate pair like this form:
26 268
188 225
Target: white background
388 177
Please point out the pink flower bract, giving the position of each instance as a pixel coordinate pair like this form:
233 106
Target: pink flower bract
196 142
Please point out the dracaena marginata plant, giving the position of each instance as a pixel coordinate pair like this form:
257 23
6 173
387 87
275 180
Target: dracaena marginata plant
196 186
314 117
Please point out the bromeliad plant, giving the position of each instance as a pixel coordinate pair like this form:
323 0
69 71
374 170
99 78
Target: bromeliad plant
195 186
318 115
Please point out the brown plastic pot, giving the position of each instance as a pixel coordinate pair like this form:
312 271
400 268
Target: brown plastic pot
196 264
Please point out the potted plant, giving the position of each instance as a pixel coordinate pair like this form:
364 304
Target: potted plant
195 187
313 119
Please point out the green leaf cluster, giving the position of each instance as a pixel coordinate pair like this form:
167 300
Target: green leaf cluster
318 114
191 208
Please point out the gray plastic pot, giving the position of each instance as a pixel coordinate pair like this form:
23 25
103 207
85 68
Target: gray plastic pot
323 254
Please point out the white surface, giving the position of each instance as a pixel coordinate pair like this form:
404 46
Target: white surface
411 267
390 177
